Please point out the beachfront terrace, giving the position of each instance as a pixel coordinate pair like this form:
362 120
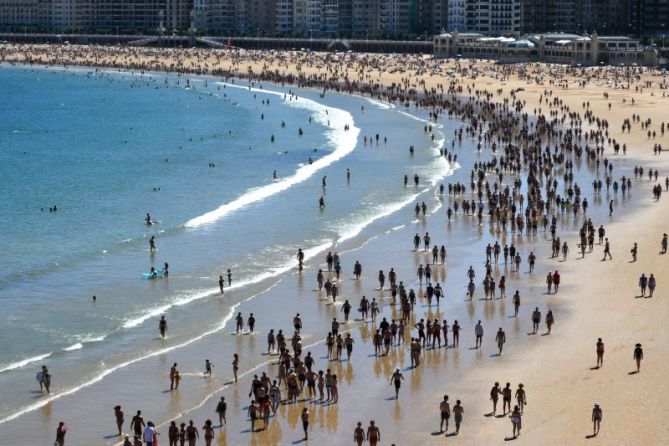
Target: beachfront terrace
561 48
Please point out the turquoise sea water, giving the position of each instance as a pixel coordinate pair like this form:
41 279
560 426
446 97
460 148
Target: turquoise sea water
97 144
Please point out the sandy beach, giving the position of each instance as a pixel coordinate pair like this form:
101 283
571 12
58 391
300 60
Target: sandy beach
596 299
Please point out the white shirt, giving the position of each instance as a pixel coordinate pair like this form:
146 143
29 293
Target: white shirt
478 330
149 432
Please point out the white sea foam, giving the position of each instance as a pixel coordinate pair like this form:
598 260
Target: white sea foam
343 141
382 211
108 371
77 346
24 362
274 272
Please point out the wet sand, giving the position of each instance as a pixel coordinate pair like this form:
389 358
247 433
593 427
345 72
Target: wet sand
596 299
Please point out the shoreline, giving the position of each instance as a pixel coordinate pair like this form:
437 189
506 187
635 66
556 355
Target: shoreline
541 424
99 377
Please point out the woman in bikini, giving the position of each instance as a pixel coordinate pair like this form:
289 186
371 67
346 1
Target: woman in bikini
516 421
208 433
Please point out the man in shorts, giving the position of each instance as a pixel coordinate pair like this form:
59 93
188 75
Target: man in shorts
445 410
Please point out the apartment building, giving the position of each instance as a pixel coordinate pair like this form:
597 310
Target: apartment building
493 17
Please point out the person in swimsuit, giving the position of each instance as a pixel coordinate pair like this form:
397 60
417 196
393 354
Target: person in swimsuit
359 434
596 419
445 411
506 398
373 434
162 326
600 352
118 414
458 410
305 422
173 434
521 397
221 408
235 365
192 434
516 421
494 396
61 430
137 424
638 356
397 380
208 433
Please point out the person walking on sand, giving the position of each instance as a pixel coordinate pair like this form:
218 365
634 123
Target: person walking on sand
359 434
556 281
458 410
305 422
516 303
600 352
507 394
536 319
396 379
607 249
516 421
521 397
495 392
550 320
501 339
549 282
373 434
118 414
638 356
596 419
643 283
478 331
445 411
664 243
651 285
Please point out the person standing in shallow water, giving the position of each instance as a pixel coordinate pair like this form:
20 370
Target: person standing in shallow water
118 414
61 430
162 326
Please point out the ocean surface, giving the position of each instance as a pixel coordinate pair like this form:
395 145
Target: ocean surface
106 148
